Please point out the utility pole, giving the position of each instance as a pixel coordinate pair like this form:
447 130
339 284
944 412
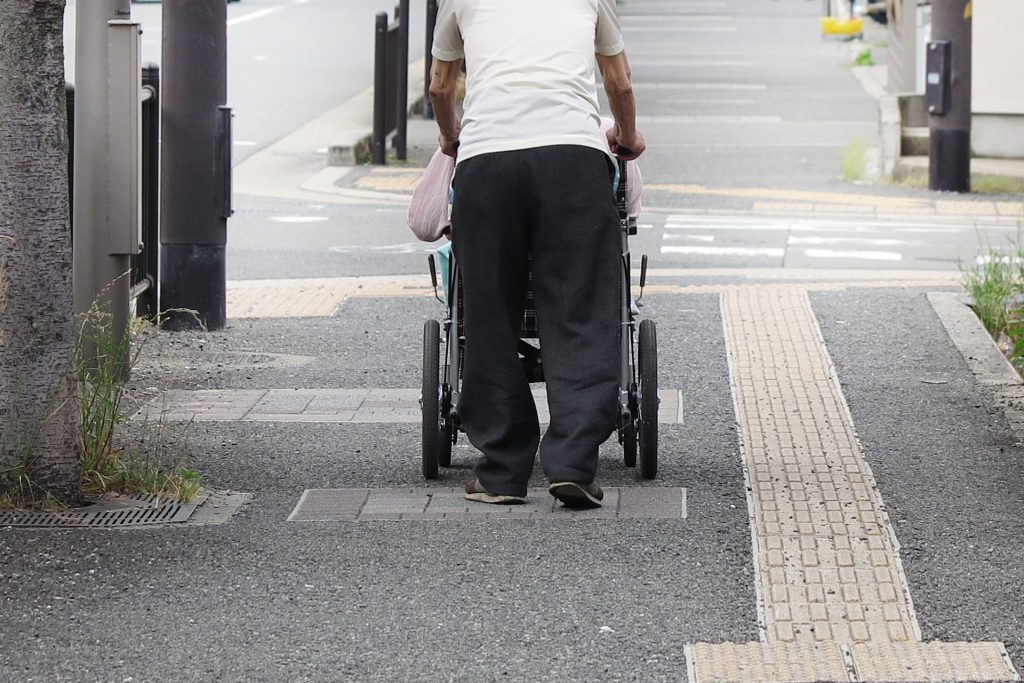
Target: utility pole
101 261
948 96
196 164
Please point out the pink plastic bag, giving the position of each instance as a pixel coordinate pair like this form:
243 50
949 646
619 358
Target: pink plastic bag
428 210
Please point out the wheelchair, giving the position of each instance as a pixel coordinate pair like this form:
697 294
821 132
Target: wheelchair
444 349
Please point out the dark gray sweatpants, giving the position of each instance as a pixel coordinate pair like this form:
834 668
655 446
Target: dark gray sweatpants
555 203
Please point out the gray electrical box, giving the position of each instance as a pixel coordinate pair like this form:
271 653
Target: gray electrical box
938 77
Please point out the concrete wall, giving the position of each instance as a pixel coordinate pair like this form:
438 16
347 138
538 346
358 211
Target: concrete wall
997 79
997 69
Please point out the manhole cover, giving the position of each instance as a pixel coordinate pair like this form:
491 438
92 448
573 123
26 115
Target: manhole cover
131 511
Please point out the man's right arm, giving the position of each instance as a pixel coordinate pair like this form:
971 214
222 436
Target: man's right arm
625 140
444 77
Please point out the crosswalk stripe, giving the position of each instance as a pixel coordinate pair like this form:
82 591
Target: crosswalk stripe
774 252
845 254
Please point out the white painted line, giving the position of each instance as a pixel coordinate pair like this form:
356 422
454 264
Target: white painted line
406 248
300 219
818 241
862 255
252 16
244 143
699 86
685 17
692 238
773 252
688 62
755 227
680 29
709 118
706 101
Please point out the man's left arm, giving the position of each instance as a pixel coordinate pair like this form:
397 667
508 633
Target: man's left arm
444 78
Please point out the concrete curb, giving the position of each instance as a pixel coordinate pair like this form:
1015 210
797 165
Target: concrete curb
988 364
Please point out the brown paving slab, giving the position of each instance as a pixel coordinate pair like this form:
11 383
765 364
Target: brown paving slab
284 402
376 405
647 502
449 504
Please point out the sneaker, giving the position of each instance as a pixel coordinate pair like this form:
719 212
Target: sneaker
474 491
577 496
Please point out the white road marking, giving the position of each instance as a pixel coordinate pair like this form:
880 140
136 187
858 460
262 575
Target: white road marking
681 63
773 252
863 255
299 219
709 118
700 86
407 248
681 29
769 227
251 16
819 241
692 238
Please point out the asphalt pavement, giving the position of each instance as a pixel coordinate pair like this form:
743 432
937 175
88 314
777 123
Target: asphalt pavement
852 489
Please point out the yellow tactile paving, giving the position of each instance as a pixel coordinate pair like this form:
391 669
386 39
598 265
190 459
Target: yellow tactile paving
965 208
829 582
822 539
1010 208
930 662
314 297
390 179
321 297
763 663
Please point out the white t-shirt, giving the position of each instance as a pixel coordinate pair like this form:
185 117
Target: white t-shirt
530 70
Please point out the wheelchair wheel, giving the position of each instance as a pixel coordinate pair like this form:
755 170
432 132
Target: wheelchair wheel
648 399
429 398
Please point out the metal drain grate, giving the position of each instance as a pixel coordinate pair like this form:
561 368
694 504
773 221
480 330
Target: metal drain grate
129 516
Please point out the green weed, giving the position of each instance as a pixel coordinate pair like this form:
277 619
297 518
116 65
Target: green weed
864 58
107 464
996 286
854 160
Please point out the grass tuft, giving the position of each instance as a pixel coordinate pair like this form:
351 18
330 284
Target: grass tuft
864 58
854 160
108 465
996 285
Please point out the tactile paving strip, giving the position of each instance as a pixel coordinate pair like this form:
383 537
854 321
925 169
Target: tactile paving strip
830 584
764 663
829 569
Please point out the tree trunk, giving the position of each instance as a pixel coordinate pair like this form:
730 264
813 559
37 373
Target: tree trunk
38 412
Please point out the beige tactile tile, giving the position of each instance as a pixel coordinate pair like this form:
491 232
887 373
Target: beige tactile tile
931 662
766 663
833 598
815 513
965 208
